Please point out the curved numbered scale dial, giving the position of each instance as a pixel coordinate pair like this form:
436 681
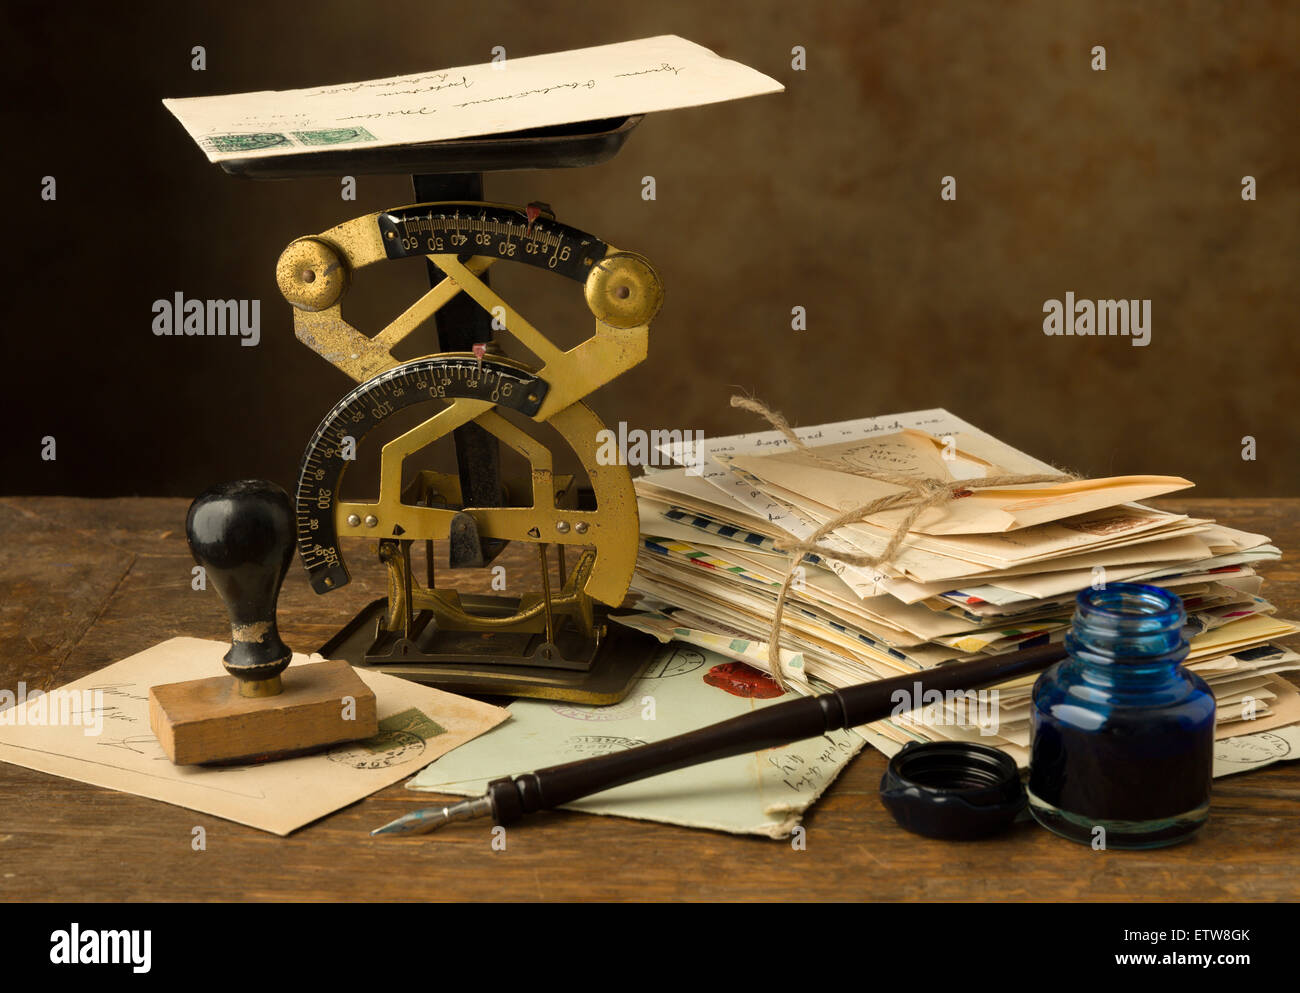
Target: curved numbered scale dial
507 233
326 458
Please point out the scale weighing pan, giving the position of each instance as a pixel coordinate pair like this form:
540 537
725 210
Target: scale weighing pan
563 146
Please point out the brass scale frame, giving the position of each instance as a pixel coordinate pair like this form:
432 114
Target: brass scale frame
623 293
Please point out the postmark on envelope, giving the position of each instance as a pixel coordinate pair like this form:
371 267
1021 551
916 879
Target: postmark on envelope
251 142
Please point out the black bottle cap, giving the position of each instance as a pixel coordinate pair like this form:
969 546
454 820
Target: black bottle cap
952 789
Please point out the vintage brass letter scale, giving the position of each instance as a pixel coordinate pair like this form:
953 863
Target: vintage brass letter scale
554 642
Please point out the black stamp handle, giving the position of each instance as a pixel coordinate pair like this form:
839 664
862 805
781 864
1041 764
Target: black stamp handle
242 534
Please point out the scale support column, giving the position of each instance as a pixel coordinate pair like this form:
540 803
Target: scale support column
461 324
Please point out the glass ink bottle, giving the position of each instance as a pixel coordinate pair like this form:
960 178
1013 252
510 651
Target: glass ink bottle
1123 735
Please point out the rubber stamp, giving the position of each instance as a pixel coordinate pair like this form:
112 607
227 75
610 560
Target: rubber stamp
242 534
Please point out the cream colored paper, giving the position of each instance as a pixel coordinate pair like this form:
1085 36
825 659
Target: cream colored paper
916 453
780 518
511 94
1248 752
719 584
764 792
278 797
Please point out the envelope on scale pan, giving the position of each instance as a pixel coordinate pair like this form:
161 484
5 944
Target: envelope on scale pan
497 97
810 477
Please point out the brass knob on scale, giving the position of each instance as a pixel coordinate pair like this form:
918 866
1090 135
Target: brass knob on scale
242 534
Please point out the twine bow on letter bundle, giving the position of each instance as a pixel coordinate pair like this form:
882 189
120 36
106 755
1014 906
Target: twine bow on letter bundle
919 494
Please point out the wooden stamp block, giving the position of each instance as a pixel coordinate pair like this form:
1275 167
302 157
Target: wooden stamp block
206 720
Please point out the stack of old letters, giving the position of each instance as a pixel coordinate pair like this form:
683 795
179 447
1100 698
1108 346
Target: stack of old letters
992 571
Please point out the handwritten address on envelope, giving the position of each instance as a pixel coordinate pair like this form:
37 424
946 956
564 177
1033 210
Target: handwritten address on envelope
633 77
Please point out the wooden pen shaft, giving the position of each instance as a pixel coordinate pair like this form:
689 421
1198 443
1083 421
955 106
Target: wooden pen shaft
780 724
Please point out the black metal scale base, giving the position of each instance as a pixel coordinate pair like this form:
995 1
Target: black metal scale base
570 666
500 663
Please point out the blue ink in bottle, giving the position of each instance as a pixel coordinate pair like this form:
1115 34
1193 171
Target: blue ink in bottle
1123 735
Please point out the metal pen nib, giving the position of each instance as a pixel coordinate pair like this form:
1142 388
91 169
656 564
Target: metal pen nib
432 818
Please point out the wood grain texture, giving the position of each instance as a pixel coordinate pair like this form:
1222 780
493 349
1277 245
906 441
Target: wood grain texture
90 582
206 720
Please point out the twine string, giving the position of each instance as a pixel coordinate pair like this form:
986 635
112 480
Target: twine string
919 494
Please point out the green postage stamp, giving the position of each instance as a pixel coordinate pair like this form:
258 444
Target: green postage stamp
413 721
253 142
259 140
333 136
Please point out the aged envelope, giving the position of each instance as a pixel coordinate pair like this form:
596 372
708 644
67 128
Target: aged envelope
686 688
1248 752
781 519
916 453
511 94
417 723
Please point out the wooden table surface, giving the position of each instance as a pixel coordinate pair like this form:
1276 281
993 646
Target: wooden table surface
84 583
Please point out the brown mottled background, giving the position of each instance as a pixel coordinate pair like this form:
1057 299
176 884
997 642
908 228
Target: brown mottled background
1123 183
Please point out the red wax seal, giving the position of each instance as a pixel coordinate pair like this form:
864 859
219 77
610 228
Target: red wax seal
739 679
